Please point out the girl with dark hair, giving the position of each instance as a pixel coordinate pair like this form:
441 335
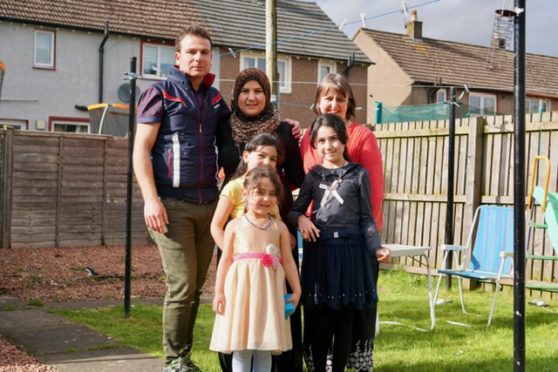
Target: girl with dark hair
341 239
335 96
260 151
250 294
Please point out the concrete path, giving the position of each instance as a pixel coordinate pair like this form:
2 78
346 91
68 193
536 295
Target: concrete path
65 345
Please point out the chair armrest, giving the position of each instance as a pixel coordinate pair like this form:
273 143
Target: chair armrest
506 254
453 247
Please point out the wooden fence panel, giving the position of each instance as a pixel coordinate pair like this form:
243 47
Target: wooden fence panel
34 190
415 168
61 189
81 192
66 190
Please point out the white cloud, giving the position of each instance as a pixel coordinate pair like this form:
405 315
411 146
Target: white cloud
467 21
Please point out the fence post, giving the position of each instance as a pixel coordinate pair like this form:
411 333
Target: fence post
473 194
57 219
7 165
104 202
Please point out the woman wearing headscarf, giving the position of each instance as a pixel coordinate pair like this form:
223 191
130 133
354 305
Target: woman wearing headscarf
252 114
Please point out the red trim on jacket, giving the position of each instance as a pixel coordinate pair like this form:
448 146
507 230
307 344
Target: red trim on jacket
167 96
216 99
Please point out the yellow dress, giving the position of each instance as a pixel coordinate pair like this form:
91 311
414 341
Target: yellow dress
254 317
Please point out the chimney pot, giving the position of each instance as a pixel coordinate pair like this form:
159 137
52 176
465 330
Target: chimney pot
414 27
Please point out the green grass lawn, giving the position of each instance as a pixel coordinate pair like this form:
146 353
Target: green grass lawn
403 299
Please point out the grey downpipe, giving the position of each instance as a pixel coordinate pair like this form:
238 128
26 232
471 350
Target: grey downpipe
101 61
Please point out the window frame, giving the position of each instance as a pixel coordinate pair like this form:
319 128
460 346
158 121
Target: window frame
52 64
445 93
159 45
20 124
332 68
65 120
482 105
287 88
539 101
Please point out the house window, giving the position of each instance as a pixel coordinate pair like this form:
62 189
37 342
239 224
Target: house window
13 123
157 60
70 126
43 53
442 107
283 69
441 96
534 105
482 104
325 68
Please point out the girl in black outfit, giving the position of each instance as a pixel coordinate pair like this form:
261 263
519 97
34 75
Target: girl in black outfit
253 113
337 274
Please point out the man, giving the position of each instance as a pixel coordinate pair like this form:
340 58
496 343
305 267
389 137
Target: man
182 123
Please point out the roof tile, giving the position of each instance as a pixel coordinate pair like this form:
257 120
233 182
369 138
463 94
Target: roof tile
303 28
452 63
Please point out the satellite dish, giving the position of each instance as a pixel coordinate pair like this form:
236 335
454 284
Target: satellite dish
124 92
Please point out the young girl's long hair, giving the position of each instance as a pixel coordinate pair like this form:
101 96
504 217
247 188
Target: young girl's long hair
262 139
253 177
337 124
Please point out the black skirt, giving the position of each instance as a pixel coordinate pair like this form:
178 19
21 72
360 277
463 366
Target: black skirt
337 271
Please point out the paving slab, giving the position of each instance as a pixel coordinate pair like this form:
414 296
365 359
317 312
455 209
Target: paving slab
106 360
65 345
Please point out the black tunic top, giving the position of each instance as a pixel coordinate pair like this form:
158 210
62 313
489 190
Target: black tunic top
341 199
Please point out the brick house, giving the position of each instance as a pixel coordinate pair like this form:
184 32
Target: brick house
410 69
61 56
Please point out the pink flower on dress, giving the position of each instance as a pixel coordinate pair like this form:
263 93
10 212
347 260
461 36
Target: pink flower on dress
267 260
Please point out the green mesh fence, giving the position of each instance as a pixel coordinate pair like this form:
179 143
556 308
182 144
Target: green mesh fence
433 111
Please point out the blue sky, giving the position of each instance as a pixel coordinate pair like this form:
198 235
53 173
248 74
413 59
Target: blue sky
467 21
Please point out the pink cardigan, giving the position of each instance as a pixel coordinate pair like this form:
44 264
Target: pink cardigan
363 149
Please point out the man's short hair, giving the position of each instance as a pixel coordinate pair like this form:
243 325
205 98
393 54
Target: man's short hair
195 30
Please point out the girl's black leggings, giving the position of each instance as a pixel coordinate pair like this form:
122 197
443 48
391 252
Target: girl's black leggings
330 327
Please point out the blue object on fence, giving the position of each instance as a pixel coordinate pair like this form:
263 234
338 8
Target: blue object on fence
289 307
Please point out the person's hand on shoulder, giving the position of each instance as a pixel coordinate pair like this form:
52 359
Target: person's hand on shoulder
295 128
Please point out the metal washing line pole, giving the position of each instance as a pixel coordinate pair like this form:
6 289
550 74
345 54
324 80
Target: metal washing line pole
519 190
132 76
